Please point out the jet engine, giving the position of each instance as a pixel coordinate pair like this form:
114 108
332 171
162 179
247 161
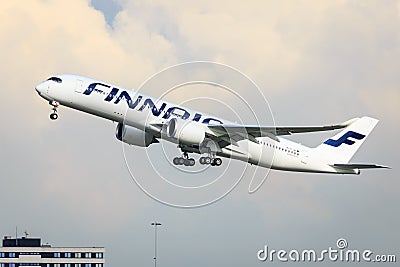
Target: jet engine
186 132
134 136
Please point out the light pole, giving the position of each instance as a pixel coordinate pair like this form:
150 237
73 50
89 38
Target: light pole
155 224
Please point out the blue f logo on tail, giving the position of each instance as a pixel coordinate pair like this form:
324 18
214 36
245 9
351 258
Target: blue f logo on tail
345 139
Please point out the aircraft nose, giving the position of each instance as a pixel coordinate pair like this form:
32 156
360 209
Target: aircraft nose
40 88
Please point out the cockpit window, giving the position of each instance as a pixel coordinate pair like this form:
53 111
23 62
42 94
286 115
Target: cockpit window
55 79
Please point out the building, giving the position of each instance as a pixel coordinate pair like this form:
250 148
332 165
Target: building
25 251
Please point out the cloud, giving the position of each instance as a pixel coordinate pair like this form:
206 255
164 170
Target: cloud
39 39
110 8
330 50
316 61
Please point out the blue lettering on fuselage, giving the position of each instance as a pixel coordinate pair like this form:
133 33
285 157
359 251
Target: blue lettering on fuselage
212 121
170 111
176 111
112 94
124 94
197 117
92 86
156 111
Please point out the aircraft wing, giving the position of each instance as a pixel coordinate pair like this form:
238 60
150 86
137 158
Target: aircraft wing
239 132
225 134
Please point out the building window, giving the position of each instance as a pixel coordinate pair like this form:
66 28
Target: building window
68 255
57 255
11 265
88 255
77 255
11 255
77 265
88 265
2 254
99 255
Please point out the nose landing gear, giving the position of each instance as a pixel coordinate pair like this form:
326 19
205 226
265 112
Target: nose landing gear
54 115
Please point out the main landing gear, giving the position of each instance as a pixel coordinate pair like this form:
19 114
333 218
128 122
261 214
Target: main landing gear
54 104
185 160
210 161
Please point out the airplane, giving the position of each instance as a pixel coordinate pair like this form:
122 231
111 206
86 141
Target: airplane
143 120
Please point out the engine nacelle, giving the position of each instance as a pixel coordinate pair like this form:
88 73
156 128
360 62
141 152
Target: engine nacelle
134 136
185 131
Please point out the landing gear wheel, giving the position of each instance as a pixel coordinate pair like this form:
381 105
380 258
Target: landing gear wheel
217 162
186 162
53 116
207 160
176 161
202 161
192 162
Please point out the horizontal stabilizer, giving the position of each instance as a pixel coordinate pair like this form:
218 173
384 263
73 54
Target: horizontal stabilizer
359 166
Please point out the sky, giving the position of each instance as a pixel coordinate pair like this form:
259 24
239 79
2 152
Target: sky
316 62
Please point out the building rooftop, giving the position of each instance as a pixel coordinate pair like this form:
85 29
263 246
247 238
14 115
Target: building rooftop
9 242
21 242
24 251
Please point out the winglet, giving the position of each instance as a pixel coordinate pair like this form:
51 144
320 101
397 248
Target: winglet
347 123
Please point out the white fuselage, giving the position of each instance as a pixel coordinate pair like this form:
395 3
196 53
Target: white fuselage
137 110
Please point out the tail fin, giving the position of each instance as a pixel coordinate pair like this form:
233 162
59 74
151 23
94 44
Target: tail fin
342 147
